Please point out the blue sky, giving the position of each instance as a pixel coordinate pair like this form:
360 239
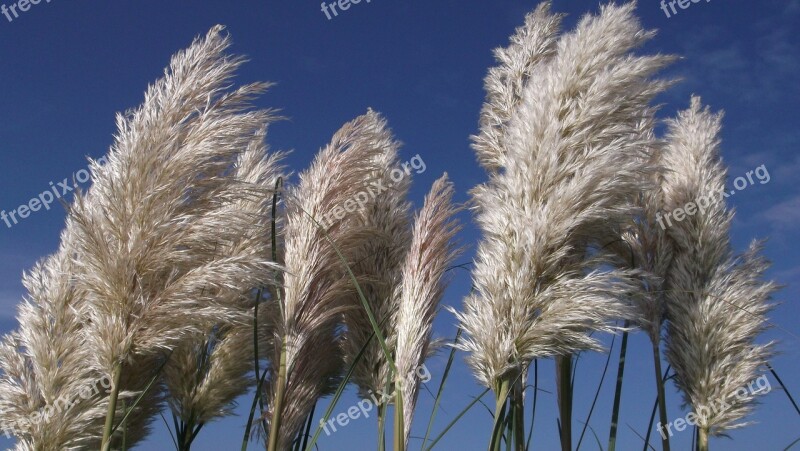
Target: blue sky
68 67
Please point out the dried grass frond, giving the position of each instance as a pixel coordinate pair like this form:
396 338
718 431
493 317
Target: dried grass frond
420 289
644 248
530 45
139 269
315 288
717 302
208 372
569 167
387 215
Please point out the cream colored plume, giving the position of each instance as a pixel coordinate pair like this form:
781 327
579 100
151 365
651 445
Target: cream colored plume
316 288
140 271
568 162
206 373
717 302
420 289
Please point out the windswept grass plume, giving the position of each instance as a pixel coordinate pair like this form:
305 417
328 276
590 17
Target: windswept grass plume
402 273
419 291
568 165
717 302
388 215
207 372
530 45
306 359
43 401
149 230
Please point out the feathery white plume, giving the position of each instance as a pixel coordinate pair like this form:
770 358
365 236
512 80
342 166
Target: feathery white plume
139 270
421 288
207 372
386 215
717 303
569 164
315 287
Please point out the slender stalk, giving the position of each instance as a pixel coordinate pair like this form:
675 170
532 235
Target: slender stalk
381 427
702 439
518 409
399 424
187 432
112 407
510 424
563 374
502 392
612 436
249 425
280 386
535 395
653 414
476 400
662 398
124 428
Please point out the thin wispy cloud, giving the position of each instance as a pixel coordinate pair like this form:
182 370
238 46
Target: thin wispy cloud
763 70
784 216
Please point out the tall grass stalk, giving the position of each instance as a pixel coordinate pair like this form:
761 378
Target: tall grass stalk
717 301
562 121
112 407
565 390
662 398
623 351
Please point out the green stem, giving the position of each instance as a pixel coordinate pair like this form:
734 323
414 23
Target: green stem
518 406
501 395
124 428
612 436
112 407
702 438
277 408
662 398
381 427
563 374
399 424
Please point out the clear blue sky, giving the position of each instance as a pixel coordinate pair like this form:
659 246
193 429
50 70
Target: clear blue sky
68 67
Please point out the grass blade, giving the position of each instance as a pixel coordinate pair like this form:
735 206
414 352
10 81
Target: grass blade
338 394
792 444
143 393
653 413
441 387
789 395
623 350
455 420
535 394
253 406
596 394
640 436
